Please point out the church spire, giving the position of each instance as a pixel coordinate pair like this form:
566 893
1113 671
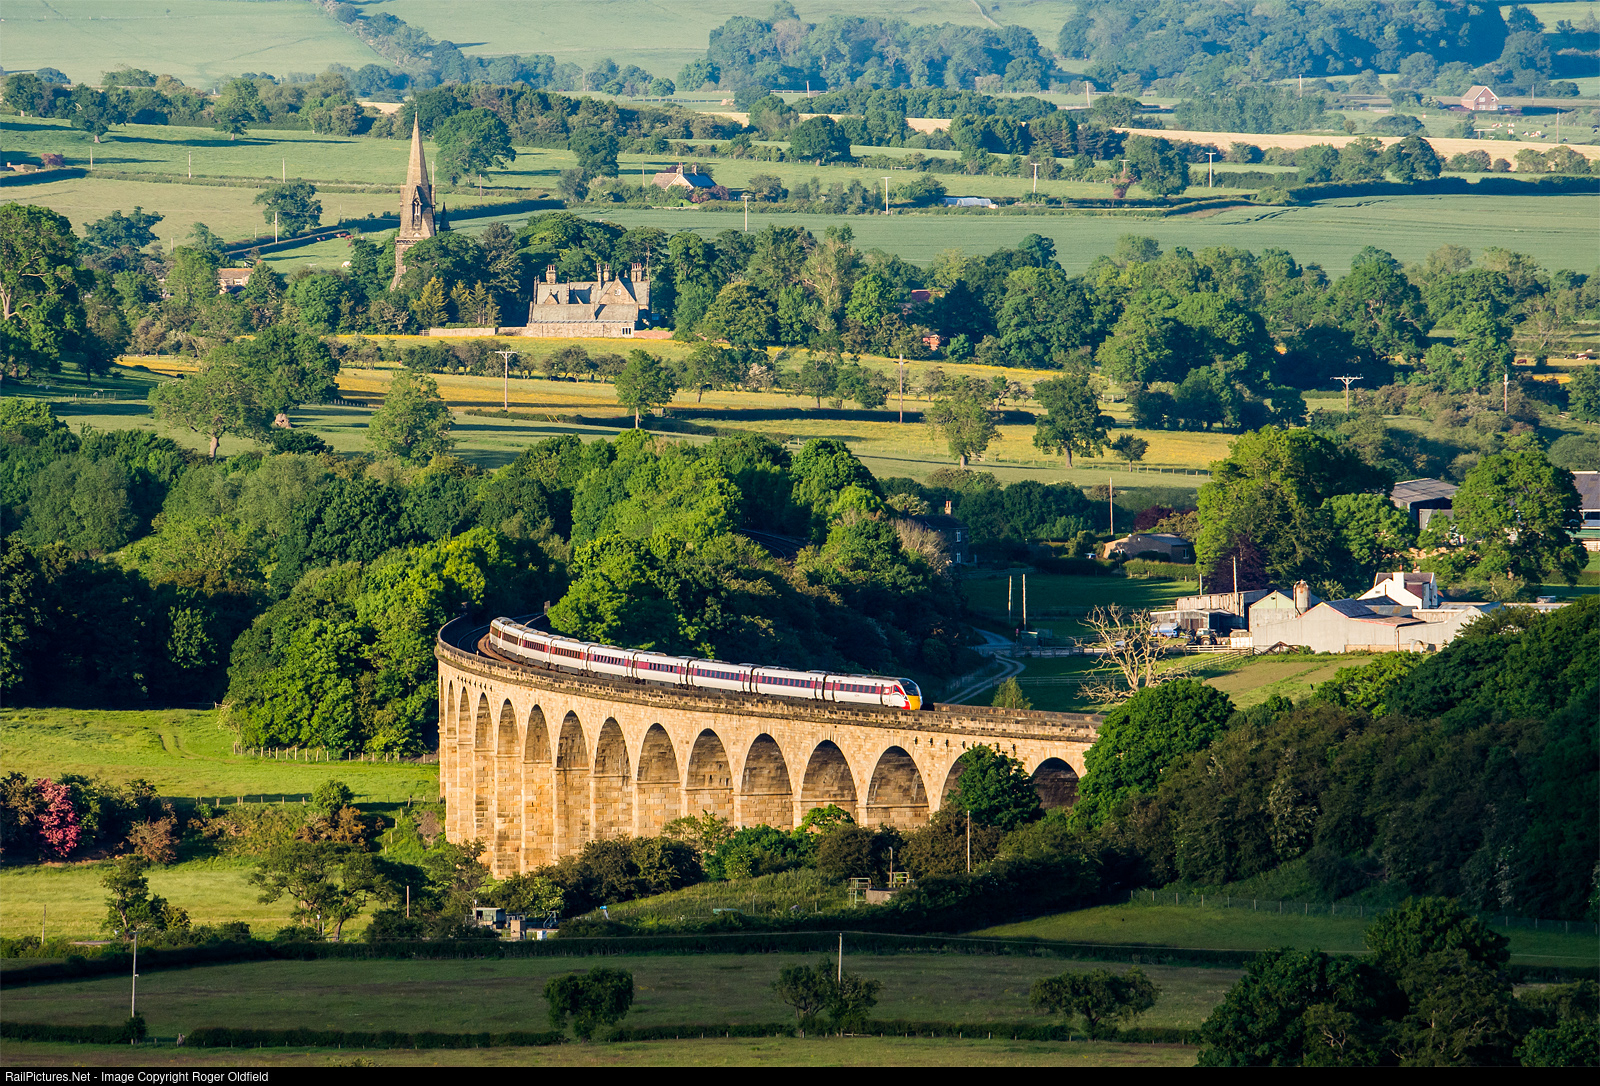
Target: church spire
417 170
417 210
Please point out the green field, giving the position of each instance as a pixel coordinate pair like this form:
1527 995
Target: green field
1555 230
503 995
187 753
690 1052
1236 928
1552 229
199 41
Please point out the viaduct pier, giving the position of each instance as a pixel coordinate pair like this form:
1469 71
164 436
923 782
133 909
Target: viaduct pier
537 763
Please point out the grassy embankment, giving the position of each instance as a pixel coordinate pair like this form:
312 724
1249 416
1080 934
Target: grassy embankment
188 756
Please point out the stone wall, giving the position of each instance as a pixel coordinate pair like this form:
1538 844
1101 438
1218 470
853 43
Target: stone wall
537 763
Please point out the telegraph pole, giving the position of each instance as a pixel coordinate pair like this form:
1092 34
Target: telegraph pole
1036 179
505 378
902 388
1210 159
886 196
1348 381
1505 393
746 199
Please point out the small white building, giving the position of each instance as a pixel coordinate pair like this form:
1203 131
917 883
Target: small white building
1410 590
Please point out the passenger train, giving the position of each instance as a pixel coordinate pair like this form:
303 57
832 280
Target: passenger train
522 642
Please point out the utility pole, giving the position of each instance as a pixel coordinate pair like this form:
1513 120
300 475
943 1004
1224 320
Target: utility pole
505 379
1010 583
284 166
274 226
1210 159
746 198
1024 601
1036 179
902 388
1348 381
886 196
191 165
1505 392
133 993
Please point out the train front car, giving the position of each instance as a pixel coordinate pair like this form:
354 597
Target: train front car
907 695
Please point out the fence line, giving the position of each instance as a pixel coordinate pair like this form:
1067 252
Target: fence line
323 754
1322 908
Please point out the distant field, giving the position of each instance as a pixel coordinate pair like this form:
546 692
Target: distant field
199 41
690 1052
508 994
1246 929
1555 230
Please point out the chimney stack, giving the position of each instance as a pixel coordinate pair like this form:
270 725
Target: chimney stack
1302 597
947 507
637 274
549 273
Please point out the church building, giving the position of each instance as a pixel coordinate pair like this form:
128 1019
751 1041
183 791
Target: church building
417 217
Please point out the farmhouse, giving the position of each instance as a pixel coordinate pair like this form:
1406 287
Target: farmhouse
233 279
694 177
1481 99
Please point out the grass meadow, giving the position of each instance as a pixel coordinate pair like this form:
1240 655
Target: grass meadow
1552 229
1244 928
508 994
689 1052
199 41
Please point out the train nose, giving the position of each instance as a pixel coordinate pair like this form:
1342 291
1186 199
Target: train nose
913 701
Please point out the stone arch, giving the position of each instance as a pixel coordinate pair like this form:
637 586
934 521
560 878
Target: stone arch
538 828
1056 782
612 781
896 795
573 829
482 768
951 779
659 793
828 780
457 814
710 783
447 738
506 843
765 794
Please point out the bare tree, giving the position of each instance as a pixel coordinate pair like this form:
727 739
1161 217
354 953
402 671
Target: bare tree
1129 650
920 539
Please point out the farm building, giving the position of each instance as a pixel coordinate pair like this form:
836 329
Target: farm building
1588 533
1481 99
1402 611
1413 590
967 201
1424 499
1171 548
691 178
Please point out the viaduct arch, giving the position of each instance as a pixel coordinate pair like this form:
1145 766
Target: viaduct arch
537 763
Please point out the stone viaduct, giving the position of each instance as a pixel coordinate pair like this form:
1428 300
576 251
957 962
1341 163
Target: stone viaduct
537 763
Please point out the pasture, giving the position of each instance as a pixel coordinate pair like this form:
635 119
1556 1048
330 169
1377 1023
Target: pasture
1552 229
688 1052
508 994
1237 927
199 41
888 447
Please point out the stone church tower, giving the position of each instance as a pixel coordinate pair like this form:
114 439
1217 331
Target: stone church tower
416 205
